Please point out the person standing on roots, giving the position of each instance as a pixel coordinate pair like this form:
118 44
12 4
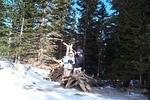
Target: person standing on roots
79 60
68 60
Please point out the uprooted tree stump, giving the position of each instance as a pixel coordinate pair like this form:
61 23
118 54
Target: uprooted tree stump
80 81
56 74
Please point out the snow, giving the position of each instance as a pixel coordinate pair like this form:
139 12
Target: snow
28 83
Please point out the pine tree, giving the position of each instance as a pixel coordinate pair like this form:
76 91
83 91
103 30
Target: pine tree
4 31
48 24
70 26
99 26
130 39
92 25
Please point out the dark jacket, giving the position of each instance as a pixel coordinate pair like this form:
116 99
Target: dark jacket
79 60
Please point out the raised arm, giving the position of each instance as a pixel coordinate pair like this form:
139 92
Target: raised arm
67 48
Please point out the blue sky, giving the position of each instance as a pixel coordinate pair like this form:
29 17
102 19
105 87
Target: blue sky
106 2
78 13
108 6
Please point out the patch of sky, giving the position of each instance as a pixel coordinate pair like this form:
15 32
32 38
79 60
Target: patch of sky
78 14
8 22
107 3
9 2
108 6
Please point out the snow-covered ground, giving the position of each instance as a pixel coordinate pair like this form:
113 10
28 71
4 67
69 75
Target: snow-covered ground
29 84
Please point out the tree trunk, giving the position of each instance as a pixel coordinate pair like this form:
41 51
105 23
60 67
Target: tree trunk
148 84
60 50
17 60
140 79
41 44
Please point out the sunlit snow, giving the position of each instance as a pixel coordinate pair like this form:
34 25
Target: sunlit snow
29 84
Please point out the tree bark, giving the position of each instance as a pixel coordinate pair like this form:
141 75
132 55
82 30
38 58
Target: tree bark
17 60
41 44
